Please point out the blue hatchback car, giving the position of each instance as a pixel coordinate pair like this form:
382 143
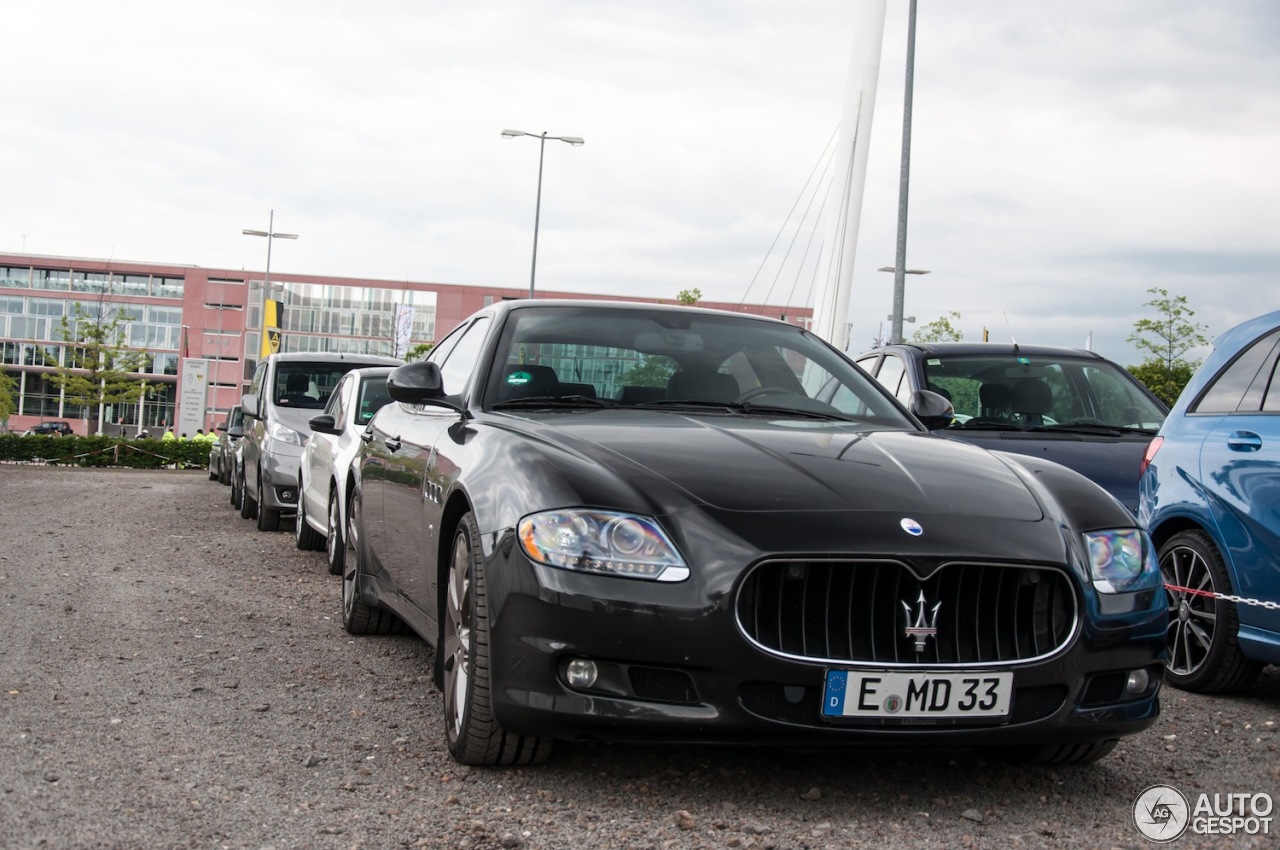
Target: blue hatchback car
1210 496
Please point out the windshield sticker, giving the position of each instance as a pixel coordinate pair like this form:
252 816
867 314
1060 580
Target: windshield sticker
519 379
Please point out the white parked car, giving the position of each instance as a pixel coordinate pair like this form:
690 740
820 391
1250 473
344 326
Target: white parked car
334 443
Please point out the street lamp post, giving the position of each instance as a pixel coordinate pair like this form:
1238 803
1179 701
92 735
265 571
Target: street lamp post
899 292
542 137
904 179
270 234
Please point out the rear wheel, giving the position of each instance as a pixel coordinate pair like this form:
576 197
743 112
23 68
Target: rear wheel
358 616
472 733
248 505
305 537
235 493
1204 654
268 519
333 544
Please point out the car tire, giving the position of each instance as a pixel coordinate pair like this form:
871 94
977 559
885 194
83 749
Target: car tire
268 519
333 544
1204 653
248 505
358 616
305 537
471 732
213 473
235 494
1050 754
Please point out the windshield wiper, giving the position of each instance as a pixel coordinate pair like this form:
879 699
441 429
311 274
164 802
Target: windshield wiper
1092 428
554 401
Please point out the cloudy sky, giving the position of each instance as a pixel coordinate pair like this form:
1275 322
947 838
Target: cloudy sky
1067 154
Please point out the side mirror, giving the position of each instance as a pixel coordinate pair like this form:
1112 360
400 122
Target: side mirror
420 383
222 427
235 432
249 405
323 424
934 410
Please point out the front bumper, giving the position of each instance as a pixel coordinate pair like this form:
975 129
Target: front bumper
281 463
675 667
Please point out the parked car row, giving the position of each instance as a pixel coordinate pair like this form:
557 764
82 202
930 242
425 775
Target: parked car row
648 523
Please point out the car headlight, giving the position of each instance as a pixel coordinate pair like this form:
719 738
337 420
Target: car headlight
276 431
601 542
1122 561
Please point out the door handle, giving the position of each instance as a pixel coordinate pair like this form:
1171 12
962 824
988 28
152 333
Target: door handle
1244 441
392 444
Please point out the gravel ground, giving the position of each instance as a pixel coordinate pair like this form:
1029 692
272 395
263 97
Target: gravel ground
171 677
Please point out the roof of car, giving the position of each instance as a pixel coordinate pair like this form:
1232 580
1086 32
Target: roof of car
521 303
1008 348
332 357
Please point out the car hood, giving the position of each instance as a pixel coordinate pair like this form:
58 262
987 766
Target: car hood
746 464
297 418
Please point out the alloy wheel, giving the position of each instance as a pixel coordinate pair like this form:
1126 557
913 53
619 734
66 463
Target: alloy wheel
457 636
1193 618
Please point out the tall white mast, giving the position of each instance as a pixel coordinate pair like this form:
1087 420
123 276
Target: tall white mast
844 203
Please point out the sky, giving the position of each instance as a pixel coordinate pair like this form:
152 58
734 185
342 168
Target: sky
1067 155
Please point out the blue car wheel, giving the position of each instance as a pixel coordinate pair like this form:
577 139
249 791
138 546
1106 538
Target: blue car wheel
1204 655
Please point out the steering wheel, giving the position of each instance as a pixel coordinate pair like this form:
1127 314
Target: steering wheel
755 392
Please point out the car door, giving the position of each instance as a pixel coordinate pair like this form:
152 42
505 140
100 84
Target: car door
417 478
322 450
1240 468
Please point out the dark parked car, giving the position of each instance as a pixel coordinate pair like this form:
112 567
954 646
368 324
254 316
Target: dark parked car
636 522
1067 405
50 429
1209 496
230 432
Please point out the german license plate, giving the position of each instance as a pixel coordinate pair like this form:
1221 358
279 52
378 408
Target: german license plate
886 694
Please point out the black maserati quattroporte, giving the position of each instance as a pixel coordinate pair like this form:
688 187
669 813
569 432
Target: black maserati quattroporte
632 522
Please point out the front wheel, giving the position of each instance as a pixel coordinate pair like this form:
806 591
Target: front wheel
333 545
472 733
1204 654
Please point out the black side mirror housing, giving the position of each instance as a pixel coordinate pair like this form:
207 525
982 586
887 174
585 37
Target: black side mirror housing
932 409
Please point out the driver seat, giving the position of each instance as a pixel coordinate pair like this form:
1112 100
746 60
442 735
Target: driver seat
1033 399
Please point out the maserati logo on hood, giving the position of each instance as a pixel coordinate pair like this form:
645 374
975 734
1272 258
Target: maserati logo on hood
925 624
911 527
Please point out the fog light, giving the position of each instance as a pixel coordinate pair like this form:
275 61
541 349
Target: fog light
1139 682
581 673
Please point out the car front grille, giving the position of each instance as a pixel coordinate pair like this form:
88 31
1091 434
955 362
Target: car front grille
859 612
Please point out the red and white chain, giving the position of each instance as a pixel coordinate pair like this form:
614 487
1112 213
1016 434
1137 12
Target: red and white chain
1228 597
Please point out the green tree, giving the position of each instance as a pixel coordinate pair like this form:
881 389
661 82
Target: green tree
8 400
419 351
98 368
1166 339
689 297
939 330
1166 383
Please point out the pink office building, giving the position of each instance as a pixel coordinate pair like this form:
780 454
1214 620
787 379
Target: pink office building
215 317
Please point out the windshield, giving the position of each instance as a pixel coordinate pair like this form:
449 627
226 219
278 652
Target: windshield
307 385
667 360
1013 390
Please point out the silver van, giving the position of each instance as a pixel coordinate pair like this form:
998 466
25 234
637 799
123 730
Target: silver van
287 390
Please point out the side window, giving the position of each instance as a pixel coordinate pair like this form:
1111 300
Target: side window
868 364
441 350
892 376
259 376
460 362
1227 391
337 400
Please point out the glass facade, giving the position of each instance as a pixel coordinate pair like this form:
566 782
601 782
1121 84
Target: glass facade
342 319
32 344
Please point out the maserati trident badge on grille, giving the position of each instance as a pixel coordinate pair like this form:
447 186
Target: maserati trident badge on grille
925 625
